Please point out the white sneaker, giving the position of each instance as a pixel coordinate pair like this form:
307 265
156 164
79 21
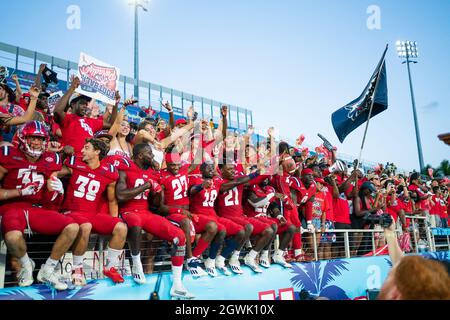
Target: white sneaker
235 266
279 259
194 267
138 273
210 267
25 275
180 292
220 265
252 264
264 260
51 278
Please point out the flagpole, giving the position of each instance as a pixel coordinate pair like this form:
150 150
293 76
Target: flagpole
370 113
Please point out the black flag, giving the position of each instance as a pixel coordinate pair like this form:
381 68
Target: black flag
351 116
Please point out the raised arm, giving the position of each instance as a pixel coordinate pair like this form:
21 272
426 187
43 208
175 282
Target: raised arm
237 182
18 88
28 115
224 112
171 117
109 119
37 80
60 107
174 136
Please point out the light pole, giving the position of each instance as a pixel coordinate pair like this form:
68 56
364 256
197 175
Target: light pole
407 50
137 4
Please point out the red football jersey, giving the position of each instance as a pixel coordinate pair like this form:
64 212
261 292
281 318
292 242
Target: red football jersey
86 186
22 172
75 130
203 202
251 211
175 186
230 202
137 177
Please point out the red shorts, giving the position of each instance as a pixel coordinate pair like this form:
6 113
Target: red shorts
258 225
43 221
201 220
155 225
103 224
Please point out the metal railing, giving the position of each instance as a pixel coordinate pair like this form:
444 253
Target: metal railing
348 243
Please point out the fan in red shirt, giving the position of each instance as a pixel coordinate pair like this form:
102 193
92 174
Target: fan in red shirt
229 205
90 181
175 204
134 189
29 182
77 127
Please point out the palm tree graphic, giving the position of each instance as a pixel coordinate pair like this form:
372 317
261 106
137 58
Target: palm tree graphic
47 293
309 276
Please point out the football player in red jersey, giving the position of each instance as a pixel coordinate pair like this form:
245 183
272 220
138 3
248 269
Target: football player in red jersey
134 190
89 181
282 182
174 203
230 206
203 191
29 182
261 204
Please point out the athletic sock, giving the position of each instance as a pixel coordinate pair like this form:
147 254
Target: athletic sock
136 259
113 258
25 260
252 254
177 272
236 254
297 252
50 264
77 261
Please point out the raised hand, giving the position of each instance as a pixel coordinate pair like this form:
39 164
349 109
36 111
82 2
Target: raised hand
15 77
224 111
250 130
34 92
167 106
74 82
42 67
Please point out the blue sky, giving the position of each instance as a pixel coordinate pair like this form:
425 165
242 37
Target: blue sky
292 62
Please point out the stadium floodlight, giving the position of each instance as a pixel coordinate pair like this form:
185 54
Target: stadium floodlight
407 50
143 5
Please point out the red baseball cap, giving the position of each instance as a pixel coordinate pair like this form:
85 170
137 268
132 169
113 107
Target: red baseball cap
320 180
172 157
307 171
180 121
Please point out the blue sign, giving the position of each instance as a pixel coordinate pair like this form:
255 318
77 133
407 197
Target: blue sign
335 279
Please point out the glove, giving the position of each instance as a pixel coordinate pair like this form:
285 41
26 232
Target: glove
30 189
156 187
310 227
57 185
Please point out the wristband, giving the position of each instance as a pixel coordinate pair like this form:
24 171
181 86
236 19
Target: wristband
253 175
171 111
309 222
174 210
279 216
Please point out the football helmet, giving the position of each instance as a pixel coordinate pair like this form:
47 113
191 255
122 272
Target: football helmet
33 129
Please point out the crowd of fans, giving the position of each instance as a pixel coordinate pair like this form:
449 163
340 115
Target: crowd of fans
208 191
